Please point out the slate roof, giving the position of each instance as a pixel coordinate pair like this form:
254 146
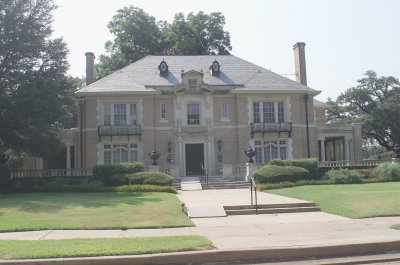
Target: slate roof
143 76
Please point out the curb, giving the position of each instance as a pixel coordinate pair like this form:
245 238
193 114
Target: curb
201 257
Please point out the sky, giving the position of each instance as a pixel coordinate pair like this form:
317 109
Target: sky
344 38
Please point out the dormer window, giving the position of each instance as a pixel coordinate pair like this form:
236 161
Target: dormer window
192 84
163 67
215 66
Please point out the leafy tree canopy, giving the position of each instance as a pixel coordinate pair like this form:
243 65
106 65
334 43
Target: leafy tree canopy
36 96
374 102
138 34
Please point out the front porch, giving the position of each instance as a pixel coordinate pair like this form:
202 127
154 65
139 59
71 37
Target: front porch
339 143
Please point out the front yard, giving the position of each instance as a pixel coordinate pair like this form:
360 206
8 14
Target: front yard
33 249
108 210
352 200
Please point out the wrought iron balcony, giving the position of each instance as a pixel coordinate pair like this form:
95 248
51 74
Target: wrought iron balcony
116 130
271 127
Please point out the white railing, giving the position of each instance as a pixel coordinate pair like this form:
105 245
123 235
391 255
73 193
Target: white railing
239 170
50 173
355 163
165 170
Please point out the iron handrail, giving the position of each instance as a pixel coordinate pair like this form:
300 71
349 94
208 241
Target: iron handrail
205 175
253 184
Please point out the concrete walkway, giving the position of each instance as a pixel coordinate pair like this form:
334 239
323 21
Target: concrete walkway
252 232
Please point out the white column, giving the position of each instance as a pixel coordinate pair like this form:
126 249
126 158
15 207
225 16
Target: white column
346 149
181 162
68 157
322 150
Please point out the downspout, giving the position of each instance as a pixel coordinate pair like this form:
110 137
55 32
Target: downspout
307 125
81 131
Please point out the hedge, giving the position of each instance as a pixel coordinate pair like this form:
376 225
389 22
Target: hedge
387 172
343 176
151 178
311 164
114 174
275 174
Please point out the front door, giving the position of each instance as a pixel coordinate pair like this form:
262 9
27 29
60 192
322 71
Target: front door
194 159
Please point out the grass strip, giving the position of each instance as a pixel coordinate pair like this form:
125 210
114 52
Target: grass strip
350 200
103 210
34 249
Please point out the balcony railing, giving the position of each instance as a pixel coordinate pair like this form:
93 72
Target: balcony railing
193 130
115 130
271 127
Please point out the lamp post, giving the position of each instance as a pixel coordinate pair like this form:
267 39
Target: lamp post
250 153
154 156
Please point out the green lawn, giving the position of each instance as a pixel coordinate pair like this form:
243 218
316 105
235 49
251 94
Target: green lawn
354 200
108 210
34 249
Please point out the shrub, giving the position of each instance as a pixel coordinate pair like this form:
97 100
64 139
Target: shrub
151 178
274 174
387 172
366 173
144 188
343 176
108 173
311 164
5 180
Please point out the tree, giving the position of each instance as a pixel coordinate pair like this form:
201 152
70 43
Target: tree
137 34
374 103
199 34
35 93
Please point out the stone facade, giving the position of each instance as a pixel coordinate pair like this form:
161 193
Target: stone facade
199 108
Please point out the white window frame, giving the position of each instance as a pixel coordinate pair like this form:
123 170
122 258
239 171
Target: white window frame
163 111
131 116
267 150
111 148
260 108
187 113
192 84
224 111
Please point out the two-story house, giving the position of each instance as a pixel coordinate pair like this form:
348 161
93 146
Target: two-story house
204 111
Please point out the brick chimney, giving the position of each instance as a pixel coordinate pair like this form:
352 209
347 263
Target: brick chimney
90 72
300 62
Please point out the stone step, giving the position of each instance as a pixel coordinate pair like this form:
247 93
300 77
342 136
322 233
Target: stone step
225 186
272 210
269 206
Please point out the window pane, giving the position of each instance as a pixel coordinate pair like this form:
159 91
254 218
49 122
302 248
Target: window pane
193 113
274 150
119 114
107 154
224 110
267 154
133 152
132 114
258 156
163 111
192 84
256 112
268 112
281 112
107 114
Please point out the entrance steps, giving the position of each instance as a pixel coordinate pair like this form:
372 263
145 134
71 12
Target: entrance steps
271 208
218 182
